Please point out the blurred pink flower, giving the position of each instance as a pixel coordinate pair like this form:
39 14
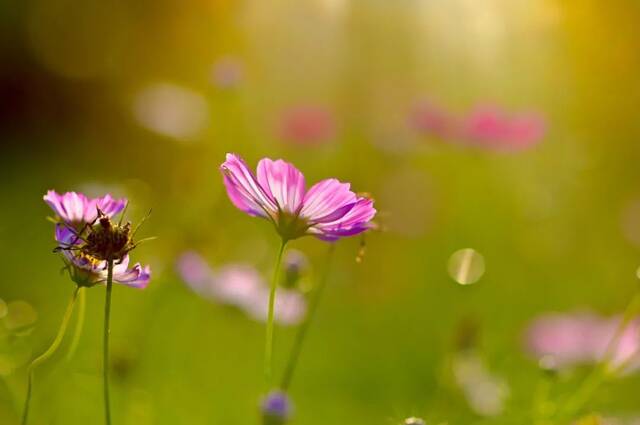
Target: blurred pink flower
307 125
433 120
240 285
494 128
583 338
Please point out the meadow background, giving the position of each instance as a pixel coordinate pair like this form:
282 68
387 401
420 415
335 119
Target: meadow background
143 99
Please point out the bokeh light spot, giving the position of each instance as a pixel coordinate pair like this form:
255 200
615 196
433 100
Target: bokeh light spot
466 266
171 110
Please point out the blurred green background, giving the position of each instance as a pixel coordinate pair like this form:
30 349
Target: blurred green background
143 99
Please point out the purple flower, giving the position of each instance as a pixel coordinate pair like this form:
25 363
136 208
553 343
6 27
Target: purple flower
329 210
240 285
583 338
86 270
75 208
276 408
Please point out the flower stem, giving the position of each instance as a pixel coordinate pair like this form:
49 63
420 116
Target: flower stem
48 353
602 370
268 347
105 365
304 327
77 332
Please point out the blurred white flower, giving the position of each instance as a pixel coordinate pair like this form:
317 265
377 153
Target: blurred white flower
240 285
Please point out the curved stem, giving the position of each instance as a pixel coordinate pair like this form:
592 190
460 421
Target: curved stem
268 346
48 353
105 365
304 327
77 332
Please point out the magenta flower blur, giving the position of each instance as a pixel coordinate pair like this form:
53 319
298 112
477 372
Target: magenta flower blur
75 208
329 210
494 128
583 338
307 125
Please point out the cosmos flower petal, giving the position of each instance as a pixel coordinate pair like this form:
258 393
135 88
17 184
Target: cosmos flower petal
325 198
284 182
109 206
355 221
241 201
243 188
136 277
76 208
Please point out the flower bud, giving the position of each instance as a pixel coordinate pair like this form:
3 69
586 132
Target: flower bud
276 408
295 265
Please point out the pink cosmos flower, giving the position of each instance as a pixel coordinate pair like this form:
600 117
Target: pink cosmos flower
493 128
329 210
240 285
583 338
75 208
88 271
307 125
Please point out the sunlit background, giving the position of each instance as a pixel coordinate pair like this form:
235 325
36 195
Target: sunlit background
500 140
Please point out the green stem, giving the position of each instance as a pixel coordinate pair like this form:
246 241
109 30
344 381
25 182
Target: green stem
48 353
304 327
602 370
77 332
268 346
105 365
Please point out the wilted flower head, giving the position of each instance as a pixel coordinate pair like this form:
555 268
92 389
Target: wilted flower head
329 210
240 285
583 338
307 125
89 271
87 246
276 408
76 209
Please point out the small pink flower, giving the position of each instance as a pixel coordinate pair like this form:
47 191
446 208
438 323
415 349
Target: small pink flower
307 125
493 128
329 210
583 338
